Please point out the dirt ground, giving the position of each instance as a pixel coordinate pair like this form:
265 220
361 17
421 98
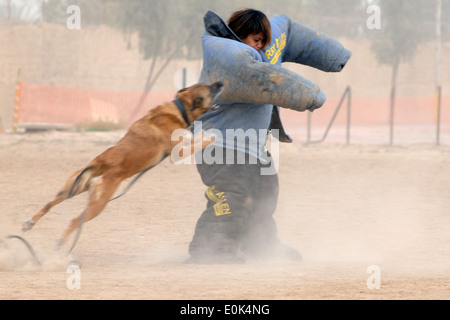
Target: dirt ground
349 210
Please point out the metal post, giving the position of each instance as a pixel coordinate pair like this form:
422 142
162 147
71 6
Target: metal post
347 94
184 80
17 101
438 115
438 41
349 104
2 129
437 64
308 132
391 117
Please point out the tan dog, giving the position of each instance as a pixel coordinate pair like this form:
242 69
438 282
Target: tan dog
147 142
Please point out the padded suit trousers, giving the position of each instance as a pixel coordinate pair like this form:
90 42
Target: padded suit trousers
239 209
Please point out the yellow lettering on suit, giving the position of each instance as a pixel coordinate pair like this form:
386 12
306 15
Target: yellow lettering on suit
274 52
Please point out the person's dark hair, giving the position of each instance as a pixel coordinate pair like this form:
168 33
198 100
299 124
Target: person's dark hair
250 21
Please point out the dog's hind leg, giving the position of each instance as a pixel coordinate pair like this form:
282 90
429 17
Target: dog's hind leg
62 195
101 191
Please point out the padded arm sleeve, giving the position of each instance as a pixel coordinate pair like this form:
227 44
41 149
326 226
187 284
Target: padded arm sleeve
247 79
313 48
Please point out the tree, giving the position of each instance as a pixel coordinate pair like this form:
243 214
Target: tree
20 10
167 29
405 24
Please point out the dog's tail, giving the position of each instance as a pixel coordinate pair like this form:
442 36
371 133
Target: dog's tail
81 182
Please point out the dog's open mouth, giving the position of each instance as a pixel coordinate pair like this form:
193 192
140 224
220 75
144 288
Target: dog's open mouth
214 107
216 89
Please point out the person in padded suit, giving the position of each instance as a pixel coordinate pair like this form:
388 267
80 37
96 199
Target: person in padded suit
238 220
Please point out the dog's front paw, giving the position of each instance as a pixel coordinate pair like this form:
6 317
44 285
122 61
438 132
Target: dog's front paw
27 225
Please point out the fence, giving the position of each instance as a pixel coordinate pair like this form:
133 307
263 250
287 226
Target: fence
347 95
424 117
47 104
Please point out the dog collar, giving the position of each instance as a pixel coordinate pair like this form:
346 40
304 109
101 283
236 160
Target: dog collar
182 109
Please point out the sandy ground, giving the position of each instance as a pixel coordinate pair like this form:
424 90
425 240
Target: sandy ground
349 210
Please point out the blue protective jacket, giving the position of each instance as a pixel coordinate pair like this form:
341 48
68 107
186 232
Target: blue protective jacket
255 82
